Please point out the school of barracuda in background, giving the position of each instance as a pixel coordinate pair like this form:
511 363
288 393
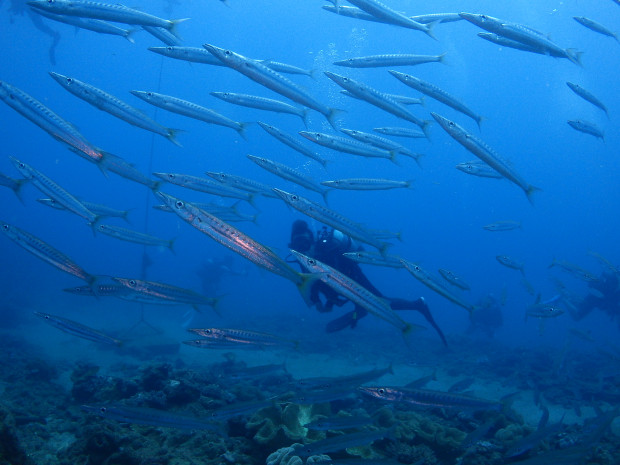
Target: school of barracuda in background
214 220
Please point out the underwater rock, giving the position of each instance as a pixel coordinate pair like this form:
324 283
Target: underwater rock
286 456
11 452
410 453
155 377
276 426
179 393
86 384
511 433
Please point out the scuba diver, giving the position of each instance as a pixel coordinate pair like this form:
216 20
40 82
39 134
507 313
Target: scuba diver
328 248
604 295
487 318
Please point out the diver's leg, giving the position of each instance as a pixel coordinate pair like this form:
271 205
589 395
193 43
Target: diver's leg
420 306
349 319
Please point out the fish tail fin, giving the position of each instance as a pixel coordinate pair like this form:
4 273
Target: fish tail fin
332 115
323 162
574 56
171 245
479 120
324 194
242 129
424 127
304 116
423 100
93 225
313 74
430 29
18 189
442 58
173 27
394 157
530 191
252 200
156 185
129 35
307 280
125 216
384 247
172 136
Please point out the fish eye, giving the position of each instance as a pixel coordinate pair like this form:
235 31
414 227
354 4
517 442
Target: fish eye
381 391
132 282
294 197
451 124
169 49
101 409
312 261
21 165
483 17
171 176
150 94
179 204
102 227
417 268
227 52
69 80
5 227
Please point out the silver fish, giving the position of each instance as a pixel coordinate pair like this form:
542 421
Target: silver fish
435 92
367 184
244 337
76 329
376 61
163 35
595 26
342 144
116 13
430 398
511 263
135 236
238 242
478 168
333 219
97 209
382 143
354 291
95 25
373 258
206 185
432 283
400 132
485 153
45 252
587 128
523 34
377 98
293 143
269 78
587 95
289 174
244 184
191 54
60 195
263 103
502 226
190 109
381 11
167 292
113 105
151 417
50 122
453 279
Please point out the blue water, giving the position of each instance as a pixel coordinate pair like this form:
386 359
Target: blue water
523 97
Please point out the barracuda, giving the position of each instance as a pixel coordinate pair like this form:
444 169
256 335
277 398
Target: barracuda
113 105
238 242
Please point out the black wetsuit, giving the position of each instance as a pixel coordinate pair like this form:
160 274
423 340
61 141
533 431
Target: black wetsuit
333 256
606 299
